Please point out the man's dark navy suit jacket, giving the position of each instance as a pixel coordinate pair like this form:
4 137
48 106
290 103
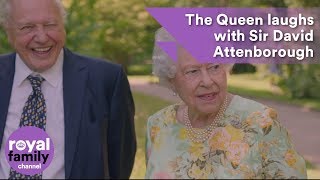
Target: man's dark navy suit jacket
99 112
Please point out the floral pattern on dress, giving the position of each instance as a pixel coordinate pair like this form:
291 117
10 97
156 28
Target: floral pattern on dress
249 143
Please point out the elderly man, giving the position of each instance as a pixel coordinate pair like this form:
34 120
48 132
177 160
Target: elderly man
88 108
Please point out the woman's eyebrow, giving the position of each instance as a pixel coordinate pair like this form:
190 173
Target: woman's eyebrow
193 65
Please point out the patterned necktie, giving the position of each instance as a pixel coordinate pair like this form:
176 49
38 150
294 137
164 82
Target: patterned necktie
33 114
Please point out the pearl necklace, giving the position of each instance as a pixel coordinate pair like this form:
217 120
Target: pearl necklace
199 136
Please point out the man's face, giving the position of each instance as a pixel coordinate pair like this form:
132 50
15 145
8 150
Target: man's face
36 31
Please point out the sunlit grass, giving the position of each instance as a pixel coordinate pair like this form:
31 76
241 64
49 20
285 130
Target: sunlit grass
313 174
140 69
250 81
145 106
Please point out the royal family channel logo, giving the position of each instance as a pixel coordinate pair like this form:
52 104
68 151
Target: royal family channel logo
29 150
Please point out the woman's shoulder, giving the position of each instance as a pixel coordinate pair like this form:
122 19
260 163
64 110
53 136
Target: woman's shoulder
242 104
245 108
165 114
252 114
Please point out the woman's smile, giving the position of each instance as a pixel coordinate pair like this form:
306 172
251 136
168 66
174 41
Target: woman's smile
208 96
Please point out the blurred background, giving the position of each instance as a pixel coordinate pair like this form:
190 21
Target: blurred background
123 32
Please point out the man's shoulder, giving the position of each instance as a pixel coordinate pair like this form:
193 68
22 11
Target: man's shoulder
7 61
7 57
93 62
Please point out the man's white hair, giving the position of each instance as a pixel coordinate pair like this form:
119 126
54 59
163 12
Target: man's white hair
5 11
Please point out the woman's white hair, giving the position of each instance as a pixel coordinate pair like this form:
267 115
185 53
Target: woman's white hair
5 11
163 66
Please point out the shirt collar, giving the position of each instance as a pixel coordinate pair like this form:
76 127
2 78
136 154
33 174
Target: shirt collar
51 75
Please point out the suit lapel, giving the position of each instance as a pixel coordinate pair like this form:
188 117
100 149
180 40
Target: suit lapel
7 68
74 83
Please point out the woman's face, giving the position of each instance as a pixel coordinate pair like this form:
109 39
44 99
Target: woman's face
203 87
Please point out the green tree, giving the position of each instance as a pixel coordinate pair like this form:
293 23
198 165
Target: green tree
83 28
301 80
121 31
4 44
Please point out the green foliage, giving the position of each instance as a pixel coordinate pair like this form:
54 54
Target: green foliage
309 165
216 3
4 44
83 29
243 68
300 3
301 81
130 32
121 31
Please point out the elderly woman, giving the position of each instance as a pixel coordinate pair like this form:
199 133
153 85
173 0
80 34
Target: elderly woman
213 134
